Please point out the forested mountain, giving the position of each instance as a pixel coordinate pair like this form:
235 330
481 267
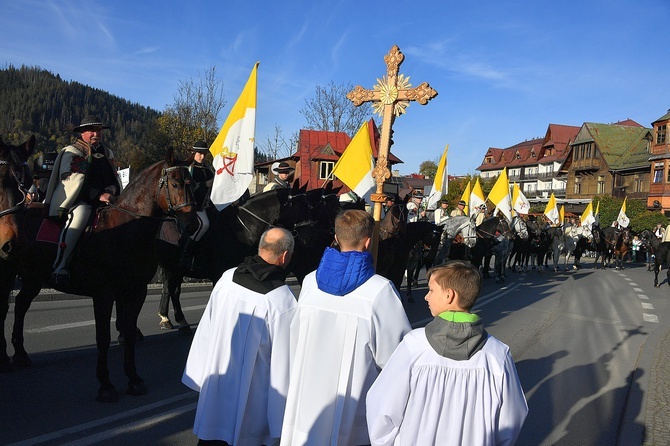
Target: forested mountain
35 101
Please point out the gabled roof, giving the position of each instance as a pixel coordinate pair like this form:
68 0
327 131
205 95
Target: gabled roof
665 117
322 145
621 146
557 138
522 154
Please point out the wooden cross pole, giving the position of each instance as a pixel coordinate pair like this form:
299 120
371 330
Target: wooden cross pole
390 98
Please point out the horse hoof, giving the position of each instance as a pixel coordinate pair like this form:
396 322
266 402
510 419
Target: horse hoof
137 388
21 360
165 323
107 394
185 330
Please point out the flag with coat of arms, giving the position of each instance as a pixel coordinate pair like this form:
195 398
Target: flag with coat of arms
519 201
233 148
622 218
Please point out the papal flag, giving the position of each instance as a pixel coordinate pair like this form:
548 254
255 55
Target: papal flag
465 196
551 211
499 195
476 198
441 182
588 218
519 201
233 148
561 215
622 218
354 168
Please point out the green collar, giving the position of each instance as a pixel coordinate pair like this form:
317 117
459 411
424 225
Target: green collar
459 316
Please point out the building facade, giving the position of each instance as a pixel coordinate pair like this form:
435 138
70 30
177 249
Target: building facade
659 187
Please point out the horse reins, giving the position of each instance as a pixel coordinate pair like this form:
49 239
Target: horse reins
20 206
170 210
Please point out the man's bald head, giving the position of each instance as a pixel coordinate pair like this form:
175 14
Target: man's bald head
276 246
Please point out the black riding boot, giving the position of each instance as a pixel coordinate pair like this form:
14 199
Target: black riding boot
187 252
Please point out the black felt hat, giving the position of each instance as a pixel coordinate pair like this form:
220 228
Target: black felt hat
89 121
283 167
200 146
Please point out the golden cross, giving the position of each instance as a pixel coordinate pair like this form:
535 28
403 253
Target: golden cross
390 98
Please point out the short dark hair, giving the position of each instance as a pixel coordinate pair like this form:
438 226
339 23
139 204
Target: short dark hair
353 225
462 277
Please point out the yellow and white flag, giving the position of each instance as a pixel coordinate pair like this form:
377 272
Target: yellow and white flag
441 182
561 215
466 197
354 168
476 198
551 211
588 218
499 195
622 218
519 201
233 148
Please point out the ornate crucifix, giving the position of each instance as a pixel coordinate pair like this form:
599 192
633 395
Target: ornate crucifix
390 97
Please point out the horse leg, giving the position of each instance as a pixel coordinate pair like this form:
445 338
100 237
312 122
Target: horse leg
102 309
164 305
24 299
6 285
184 326
133 299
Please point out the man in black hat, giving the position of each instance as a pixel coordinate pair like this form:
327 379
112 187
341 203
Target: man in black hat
203 178
282 172
83 178
459 211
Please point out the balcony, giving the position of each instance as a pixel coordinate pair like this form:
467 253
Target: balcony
587 164
546 175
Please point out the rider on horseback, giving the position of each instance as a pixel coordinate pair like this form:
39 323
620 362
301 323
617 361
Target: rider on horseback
203 177
83 178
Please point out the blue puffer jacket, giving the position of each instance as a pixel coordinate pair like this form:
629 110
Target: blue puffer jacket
340 273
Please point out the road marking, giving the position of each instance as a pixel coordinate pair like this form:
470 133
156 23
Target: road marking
102 421
638 290
63 326
140 424
643 296
650 317
647 306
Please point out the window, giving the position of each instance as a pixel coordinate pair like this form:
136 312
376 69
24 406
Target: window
588 150
325 169
575 152
578 185
639 185
601 184
660 134
658 175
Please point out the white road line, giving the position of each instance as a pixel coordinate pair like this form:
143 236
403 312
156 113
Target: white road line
650 317
102 421
63 326
643 296
140 424
647 306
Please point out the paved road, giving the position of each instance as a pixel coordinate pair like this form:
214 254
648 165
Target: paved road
578 340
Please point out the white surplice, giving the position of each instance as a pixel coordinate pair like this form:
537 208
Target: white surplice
422 398
239 362
338 345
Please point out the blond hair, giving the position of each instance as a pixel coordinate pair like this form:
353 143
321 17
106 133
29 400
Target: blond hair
353 226
464 278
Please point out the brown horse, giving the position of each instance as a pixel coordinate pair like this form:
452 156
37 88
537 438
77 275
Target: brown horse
621 246
15 181
113 263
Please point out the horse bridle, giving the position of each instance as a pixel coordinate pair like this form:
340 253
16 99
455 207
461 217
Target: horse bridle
460 228
162 182
268 224
20 206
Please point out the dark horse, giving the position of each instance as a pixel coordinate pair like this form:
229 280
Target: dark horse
487 241
234 234
621 246
661 257
393 252
113 263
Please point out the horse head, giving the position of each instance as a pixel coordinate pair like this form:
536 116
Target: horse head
15 180
394 222
520 228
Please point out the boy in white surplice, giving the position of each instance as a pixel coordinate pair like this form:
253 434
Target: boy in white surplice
450 382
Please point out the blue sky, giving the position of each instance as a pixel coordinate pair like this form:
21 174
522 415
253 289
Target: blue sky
504 70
